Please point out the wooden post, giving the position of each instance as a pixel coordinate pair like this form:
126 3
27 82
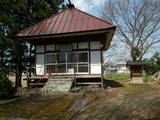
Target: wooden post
75 77
30 57
102 81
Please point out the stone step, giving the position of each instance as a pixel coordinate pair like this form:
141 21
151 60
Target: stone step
54 90
61 79
57 85
58 82
64 87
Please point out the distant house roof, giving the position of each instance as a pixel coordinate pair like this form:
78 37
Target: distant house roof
110 69
121 65
71 20
135 63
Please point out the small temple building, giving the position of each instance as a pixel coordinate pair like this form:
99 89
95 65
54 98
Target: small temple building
70 43
136 71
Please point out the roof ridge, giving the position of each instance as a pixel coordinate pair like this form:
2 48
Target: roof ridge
32 26
94 16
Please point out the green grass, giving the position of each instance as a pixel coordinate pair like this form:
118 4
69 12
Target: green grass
124 77
117 76
147 77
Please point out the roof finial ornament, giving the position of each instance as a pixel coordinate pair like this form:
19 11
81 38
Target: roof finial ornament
70 5
69 1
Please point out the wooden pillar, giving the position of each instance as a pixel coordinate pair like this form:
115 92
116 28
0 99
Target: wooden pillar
75 82
35 54
89 54
102 80
30 60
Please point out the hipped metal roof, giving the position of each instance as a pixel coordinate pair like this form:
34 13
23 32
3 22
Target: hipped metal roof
71 20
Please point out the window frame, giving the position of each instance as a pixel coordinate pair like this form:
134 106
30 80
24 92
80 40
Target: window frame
68 63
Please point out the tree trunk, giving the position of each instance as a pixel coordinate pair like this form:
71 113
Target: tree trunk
2 58
133 56
2 63
18 66
18 77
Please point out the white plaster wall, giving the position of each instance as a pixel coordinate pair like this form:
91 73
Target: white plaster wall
40 49
95 44
95 62
82 45
50 47
40 64
74 46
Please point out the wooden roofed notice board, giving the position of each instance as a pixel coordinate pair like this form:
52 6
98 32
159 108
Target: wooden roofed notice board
136 71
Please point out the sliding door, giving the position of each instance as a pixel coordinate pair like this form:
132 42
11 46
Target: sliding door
95 62
56 63
68 62
79 61
40 64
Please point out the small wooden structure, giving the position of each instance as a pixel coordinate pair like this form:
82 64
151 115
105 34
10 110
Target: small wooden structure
136 71
70 43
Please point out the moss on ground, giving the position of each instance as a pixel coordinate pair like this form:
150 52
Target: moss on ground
37 109
140 102
139 88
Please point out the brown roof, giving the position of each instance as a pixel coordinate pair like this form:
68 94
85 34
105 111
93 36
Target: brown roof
137 62
71 20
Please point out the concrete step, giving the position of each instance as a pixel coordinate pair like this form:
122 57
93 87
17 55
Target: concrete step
57 85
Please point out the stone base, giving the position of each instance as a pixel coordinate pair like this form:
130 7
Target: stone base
57 86
138 80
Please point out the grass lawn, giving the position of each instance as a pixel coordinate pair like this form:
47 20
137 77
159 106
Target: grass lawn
147 77
117 76
125 77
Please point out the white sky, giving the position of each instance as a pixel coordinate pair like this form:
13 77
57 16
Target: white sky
90 6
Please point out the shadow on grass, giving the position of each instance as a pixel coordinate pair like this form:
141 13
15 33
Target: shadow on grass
112 84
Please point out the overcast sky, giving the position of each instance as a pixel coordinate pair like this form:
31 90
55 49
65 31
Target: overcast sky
90 6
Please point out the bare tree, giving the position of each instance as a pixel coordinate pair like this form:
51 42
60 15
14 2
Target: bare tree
116 53
138 23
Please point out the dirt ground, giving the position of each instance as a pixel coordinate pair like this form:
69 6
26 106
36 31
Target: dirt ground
126 102
24 82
